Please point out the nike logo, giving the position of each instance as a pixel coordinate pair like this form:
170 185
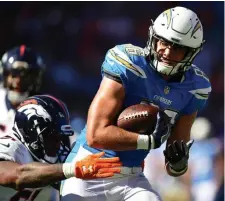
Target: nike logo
6 145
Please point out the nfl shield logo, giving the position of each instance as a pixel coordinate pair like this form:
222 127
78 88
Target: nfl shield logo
166 90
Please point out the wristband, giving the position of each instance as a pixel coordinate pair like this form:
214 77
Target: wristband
68 170
176 173
145 142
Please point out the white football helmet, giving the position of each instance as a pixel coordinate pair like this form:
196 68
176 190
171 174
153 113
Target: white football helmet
179 26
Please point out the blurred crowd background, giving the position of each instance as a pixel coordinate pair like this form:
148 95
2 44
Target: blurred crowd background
74 37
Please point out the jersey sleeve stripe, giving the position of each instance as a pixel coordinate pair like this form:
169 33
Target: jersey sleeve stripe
201 93
112 76
119 57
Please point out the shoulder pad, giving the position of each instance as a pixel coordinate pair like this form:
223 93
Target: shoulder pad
128 56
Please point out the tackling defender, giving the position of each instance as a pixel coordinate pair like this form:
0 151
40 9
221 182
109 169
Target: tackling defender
22 73
163 74
29 154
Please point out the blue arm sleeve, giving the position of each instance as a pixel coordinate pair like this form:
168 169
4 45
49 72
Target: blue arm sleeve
194 105
200 94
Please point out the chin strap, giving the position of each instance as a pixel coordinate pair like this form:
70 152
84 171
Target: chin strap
164 69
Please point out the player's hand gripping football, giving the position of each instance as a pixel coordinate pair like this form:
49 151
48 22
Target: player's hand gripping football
162 130
93 166
177 155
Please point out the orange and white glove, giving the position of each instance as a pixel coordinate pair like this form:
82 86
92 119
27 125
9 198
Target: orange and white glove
92 167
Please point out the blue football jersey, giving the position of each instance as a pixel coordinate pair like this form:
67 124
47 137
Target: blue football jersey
128 64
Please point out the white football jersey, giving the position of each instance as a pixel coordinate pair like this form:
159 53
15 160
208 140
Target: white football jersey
11 149
7 114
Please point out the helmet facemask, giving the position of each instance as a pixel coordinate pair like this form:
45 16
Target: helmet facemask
64 150
29 84
34 141
59 149
155 56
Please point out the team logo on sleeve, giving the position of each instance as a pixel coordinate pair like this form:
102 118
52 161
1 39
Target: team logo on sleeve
121 58
201 93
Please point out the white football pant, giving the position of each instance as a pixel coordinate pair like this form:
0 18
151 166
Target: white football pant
128 186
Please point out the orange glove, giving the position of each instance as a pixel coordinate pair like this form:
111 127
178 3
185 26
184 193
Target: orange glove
93 166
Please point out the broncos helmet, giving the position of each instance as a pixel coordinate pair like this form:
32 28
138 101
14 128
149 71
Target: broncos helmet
22 71
42 124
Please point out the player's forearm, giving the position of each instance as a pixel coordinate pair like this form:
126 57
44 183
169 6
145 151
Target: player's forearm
113 138
38 175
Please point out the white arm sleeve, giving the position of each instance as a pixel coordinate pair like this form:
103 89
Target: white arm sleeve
12 149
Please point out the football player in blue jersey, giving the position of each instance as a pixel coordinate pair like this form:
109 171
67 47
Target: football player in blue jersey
161 73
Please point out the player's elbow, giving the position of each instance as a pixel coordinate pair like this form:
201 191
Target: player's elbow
90 141
94 138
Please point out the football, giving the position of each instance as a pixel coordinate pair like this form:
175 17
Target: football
140 118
